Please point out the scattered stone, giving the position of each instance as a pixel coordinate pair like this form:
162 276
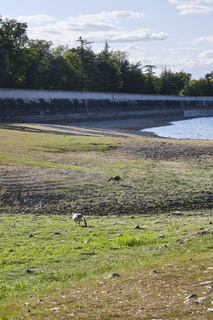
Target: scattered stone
180 241
209 288
113 275
191 296
161 236
57 233
55 309
154 271
29 271
137 227
164 246
205 282
176 213
200 300
210 309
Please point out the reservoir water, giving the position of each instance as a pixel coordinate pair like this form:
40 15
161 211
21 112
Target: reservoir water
197 129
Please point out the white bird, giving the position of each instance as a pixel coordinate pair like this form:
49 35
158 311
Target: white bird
78 217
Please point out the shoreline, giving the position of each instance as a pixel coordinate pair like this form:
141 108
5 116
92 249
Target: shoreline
113 128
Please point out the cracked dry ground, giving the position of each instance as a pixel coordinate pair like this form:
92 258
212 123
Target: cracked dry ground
28 189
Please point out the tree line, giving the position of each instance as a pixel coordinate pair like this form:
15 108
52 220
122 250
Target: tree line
37 64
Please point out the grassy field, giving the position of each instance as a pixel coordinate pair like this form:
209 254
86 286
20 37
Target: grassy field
51 269
148 244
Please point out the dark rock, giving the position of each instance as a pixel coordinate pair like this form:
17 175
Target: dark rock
153 271
29 271
191 296
113 275
180 241
137 227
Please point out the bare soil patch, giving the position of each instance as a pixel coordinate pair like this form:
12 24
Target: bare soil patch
60 191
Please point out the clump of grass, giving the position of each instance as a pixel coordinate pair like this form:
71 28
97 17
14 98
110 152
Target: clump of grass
132 240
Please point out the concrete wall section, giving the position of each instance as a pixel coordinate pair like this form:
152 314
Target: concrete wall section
61 106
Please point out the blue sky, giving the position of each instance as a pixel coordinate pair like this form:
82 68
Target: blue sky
176 34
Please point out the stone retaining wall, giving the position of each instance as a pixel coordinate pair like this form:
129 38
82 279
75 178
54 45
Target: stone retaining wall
37 106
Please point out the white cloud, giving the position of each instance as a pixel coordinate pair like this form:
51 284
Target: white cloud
208 38
36 19
196 65
179 49
192 7
191 1
107 16
206 55
139 35
96 28
102 16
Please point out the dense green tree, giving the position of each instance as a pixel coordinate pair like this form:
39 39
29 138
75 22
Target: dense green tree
108 74
209 84
38 64
201 87
3 67
172 83
133 79
73 63
87 70
61 75
13 39
150 83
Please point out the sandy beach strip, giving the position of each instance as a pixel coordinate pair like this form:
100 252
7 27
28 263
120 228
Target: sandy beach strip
113 128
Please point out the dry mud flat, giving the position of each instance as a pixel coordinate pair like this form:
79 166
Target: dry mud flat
48 190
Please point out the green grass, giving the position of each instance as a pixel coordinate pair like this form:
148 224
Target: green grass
23 147
46 255
58 252
54 143
33 162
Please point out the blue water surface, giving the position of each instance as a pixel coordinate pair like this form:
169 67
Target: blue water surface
197 129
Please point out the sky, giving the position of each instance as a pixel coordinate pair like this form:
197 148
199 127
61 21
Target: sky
172 34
